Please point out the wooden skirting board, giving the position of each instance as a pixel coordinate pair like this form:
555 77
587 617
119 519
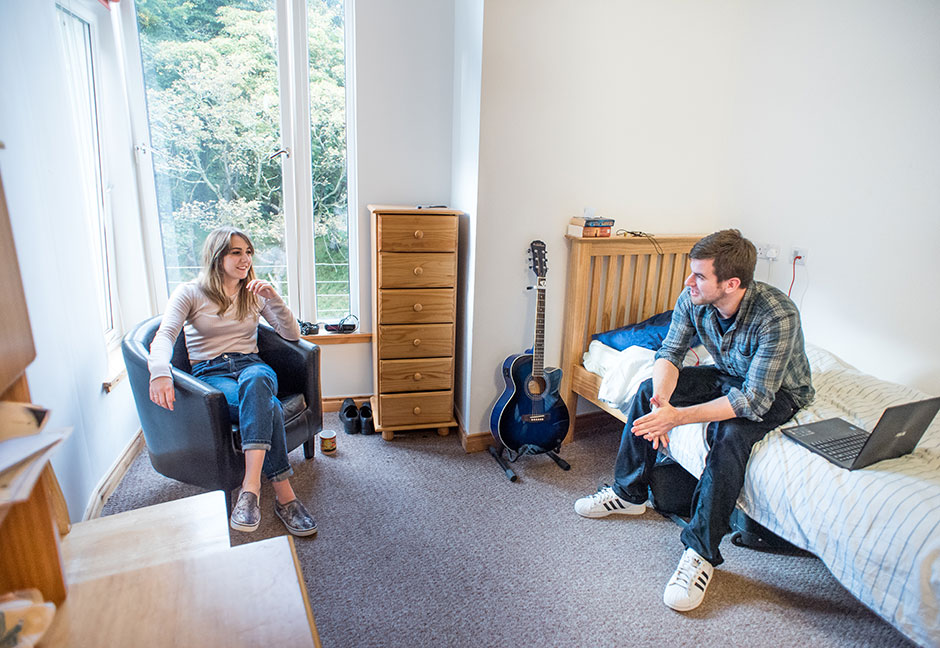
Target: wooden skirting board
113 477
482 440
475 442
334 403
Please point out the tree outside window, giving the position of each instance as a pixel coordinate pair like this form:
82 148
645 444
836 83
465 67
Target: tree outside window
211 73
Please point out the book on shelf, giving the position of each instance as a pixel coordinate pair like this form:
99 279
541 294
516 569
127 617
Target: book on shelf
579 231
21 419
24 448
596 221
18 479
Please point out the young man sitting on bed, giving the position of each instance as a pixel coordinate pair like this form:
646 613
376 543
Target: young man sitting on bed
760 378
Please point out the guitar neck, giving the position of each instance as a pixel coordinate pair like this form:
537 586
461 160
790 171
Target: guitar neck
538 353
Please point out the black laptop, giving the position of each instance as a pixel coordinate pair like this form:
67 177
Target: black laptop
897 432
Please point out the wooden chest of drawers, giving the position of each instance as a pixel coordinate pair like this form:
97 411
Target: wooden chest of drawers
414 311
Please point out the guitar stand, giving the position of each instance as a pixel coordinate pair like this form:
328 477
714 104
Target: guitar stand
564 465
498 456
513 456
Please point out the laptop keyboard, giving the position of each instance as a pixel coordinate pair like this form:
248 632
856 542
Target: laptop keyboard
844 449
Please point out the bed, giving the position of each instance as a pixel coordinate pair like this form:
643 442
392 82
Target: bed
877 529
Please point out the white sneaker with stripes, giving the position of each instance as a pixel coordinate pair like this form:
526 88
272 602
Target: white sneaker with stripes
686 589
606 502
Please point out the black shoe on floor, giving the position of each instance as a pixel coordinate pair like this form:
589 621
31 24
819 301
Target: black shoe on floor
365 418
349 416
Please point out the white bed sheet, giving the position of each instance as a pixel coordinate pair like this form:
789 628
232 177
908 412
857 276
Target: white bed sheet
876 529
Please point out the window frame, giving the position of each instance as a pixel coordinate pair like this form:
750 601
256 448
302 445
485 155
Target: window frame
89 12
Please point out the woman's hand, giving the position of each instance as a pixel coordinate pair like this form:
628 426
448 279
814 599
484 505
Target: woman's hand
262 288
162 392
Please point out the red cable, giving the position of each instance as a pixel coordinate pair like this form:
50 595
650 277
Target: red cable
794 274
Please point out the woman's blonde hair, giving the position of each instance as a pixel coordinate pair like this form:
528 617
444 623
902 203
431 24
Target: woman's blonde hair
217 245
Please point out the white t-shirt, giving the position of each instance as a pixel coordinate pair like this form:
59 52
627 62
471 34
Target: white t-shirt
208 334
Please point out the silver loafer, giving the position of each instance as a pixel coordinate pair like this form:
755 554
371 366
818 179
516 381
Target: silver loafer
246 514
296 518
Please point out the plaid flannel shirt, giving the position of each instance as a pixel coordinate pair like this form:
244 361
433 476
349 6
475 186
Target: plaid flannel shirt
764 347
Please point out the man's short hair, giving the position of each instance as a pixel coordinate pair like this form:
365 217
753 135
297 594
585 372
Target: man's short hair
732 255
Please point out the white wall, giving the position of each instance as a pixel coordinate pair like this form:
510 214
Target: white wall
802 123
44 198
468 61
404 57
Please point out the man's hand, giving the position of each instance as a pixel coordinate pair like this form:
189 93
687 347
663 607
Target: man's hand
162 392
262 288
656 425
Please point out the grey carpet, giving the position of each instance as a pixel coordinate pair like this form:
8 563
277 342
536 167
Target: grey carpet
421 544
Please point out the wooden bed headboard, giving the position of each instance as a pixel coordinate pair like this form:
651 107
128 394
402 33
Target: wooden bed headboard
613 282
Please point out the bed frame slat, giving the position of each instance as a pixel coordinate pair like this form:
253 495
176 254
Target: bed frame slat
628 268
679 264
610 293
595 286
613 282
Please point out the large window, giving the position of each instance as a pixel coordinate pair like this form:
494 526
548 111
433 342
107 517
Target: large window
242 135
79 31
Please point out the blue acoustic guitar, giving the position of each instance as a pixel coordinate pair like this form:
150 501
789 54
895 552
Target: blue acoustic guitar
530 417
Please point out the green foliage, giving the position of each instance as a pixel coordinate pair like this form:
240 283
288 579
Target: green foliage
210 68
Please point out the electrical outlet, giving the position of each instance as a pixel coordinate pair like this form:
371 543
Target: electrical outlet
799 255
769 251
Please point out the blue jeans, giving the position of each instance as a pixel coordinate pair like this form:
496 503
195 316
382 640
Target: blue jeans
730 445
250 389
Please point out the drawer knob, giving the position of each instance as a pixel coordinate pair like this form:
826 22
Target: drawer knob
418 308
419 234
417 410
417 342
417 376
419 272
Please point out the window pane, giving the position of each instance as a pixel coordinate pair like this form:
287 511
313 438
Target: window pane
210 69
326 36
77 41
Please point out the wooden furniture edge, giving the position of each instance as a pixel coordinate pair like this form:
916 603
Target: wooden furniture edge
587 385
412 209
575 307
32 555
141 603
326 338
152 535
304 594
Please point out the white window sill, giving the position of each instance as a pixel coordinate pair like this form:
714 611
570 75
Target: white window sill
116 370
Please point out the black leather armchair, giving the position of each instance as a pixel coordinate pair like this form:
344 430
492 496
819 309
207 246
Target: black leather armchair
197 443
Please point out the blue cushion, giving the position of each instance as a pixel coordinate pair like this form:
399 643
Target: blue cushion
648 334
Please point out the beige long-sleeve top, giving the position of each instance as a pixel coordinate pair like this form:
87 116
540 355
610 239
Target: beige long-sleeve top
208 334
